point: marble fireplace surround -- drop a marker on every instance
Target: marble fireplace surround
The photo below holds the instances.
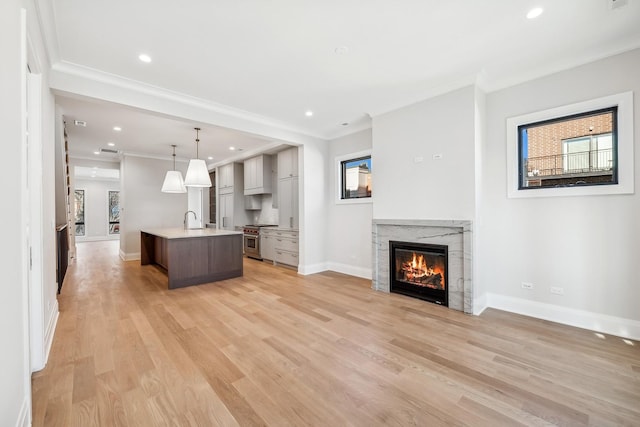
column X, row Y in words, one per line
column 456, row 234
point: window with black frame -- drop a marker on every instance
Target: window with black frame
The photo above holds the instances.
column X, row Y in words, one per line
column 114, row 212
column 576, row 150
column 355, row 178
column 79, row 212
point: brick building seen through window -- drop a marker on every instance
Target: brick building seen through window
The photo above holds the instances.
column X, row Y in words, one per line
column 575, row 150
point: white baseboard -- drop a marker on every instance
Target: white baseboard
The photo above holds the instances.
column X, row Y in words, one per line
column 312, row 269
column 130, row 256
column 351, row 270
column 97, row 238
column 613, row 325
column 24, row 417
column 479, row 304
column 51, row 330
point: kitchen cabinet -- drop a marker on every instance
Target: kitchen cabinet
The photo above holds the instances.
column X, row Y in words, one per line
column 267, row 244
column 226, row 177
column 226, row 211
column 288, row 203
column 192, row 257
column 257, row 175
column 231, row 208
column 288, row 163
column 286, row 247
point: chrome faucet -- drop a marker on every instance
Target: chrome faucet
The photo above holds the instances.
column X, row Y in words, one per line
column 185, row 218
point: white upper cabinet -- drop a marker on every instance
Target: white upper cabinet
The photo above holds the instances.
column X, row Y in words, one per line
column 257, row 175
column 288, row 163
column 225, row 176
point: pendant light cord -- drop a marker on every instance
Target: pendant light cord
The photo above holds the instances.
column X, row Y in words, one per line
column 197, row 141
column 174, row 156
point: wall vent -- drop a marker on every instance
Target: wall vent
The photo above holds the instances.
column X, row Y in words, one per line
column 109, row 150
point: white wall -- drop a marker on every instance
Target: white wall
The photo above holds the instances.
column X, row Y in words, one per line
column 96, row 208
column 313, row 201
column 349, row 225
column 142, row 204
column 14, row 385
column 43, row 292
column 430, row 189
column 589, row 245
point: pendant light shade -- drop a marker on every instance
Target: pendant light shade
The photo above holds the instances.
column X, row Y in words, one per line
column 197, row 173
column 173, row 182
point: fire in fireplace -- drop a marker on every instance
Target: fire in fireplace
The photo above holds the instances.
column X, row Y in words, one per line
column 419, row 270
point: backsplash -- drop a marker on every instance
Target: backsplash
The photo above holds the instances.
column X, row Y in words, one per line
column 268, row 214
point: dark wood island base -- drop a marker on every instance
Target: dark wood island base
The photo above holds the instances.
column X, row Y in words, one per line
column 193, row 257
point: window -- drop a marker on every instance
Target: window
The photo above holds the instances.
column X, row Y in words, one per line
column 354, row 177
column 79, row 212
column 114, row 212
column 569, row 151
column 572, row 150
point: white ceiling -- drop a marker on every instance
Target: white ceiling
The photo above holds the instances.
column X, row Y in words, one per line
column 277, row 59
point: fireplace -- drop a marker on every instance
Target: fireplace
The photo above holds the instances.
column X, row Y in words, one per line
column 419, row 270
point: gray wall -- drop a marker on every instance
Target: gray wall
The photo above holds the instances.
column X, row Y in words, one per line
column 349, row 249
column 142, row 204
column 588, row 245
column 430, row 189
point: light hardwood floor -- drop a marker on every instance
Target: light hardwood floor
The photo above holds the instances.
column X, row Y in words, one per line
column 275, row 348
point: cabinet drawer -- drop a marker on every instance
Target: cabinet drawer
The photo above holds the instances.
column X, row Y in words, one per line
column 288, row 258
column 287, row 234
column 286, row 244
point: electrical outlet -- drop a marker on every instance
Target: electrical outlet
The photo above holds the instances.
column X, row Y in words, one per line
column 556, row 290
column 526, row 285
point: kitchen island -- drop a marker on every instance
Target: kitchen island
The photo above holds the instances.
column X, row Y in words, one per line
column 193, row 257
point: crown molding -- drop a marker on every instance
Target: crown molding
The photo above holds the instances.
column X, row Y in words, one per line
column 64, row 72
column 47, row 21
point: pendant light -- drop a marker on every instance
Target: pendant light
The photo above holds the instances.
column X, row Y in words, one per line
column 197, row 173
column 173, row 182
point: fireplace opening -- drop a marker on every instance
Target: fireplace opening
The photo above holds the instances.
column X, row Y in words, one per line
column 419, row 270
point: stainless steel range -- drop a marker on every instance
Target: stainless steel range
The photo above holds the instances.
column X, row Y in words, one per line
column 252, row 240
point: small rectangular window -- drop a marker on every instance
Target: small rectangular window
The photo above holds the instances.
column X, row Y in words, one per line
column 114, row 212
column 355, row 177
column 79, row 212
column 575, row 150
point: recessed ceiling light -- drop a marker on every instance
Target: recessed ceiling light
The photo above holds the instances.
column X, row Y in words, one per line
column 117, row 128
column 96, row 153
column 144, row 58
column 309, row 113
column 341, row 50
column 111, row 144
column 534, row 13
column 95, row 168
column 209, row 158
column 232, row 148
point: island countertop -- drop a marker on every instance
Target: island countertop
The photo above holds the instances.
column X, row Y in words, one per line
column 181, row 233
